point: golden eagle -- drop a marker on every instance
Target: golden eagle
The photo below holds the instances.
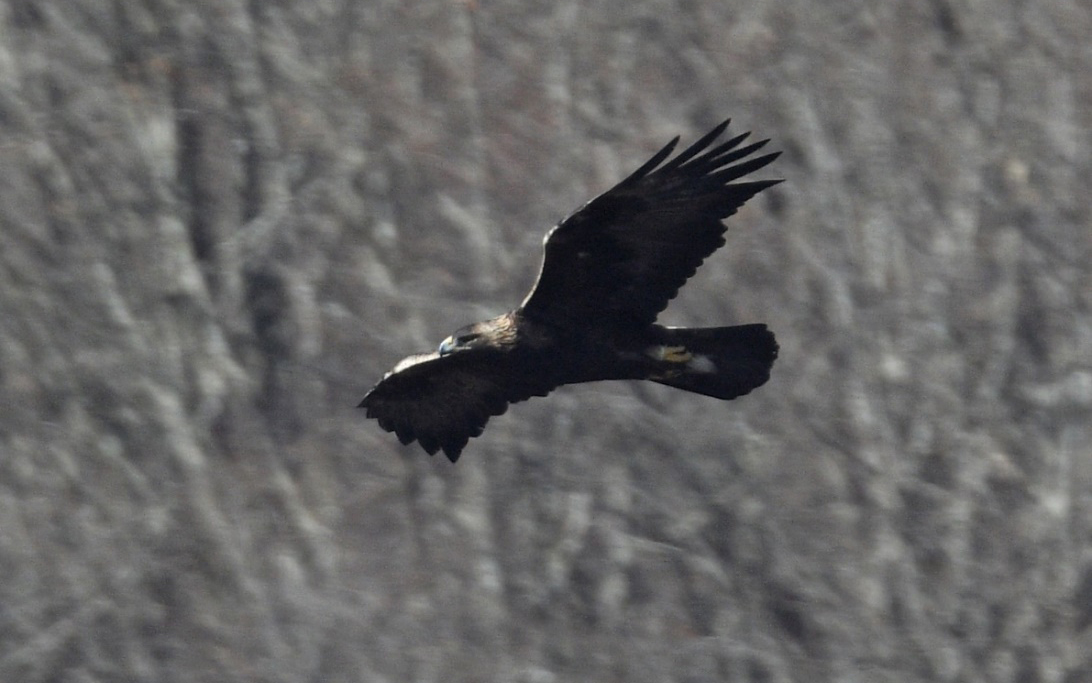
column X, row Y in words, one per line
column 608, row 270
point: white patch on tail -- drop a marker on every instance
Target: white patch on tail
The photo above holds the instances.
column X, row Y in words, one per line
column 656, row 352
column 701, row 363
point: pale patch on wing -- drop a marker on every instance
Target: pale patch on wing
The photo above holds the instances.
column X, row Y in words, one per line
column 549, row 234
column 410, row 361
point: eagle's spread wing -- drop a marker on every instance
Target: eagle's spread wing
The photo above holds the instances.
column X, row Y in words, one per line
column 443, row 401
column 624, row 255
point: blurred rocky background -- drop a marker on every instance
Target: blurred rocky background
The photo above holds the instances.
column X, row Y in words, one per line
column 222, row 221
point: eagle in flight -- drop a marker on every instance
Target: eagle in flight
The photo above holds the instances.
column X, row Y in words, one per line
column 608, row 270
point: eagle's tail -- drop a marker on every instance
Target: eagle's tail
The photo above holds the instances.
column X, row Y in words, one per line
column 722, row 362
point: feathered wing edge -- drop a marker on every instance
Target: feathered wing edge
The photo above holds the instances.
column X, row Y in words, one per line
column 697, row 161
column 444, row 401
column 696, row 183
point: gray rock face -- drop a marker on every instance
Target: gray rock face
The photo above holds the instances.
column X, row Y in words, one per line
column 222, row 221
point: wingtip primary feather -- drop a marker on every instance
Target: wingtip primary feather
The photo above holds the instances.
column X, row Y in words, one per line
column 730, row 173
column 712, row 159
column 696, row 148
column 726, row 154
column 651, row 164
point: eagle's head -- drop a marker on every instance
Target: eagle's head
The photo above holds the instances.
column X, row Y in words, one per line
column 489, row 334
column 464, row 338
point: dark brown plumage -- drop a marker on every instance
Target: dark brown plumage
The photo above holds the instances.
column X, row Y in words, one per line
column 608, row 271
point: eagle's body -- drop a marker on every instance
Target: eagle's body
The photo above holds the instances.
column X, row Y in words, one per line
column 608, row 271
